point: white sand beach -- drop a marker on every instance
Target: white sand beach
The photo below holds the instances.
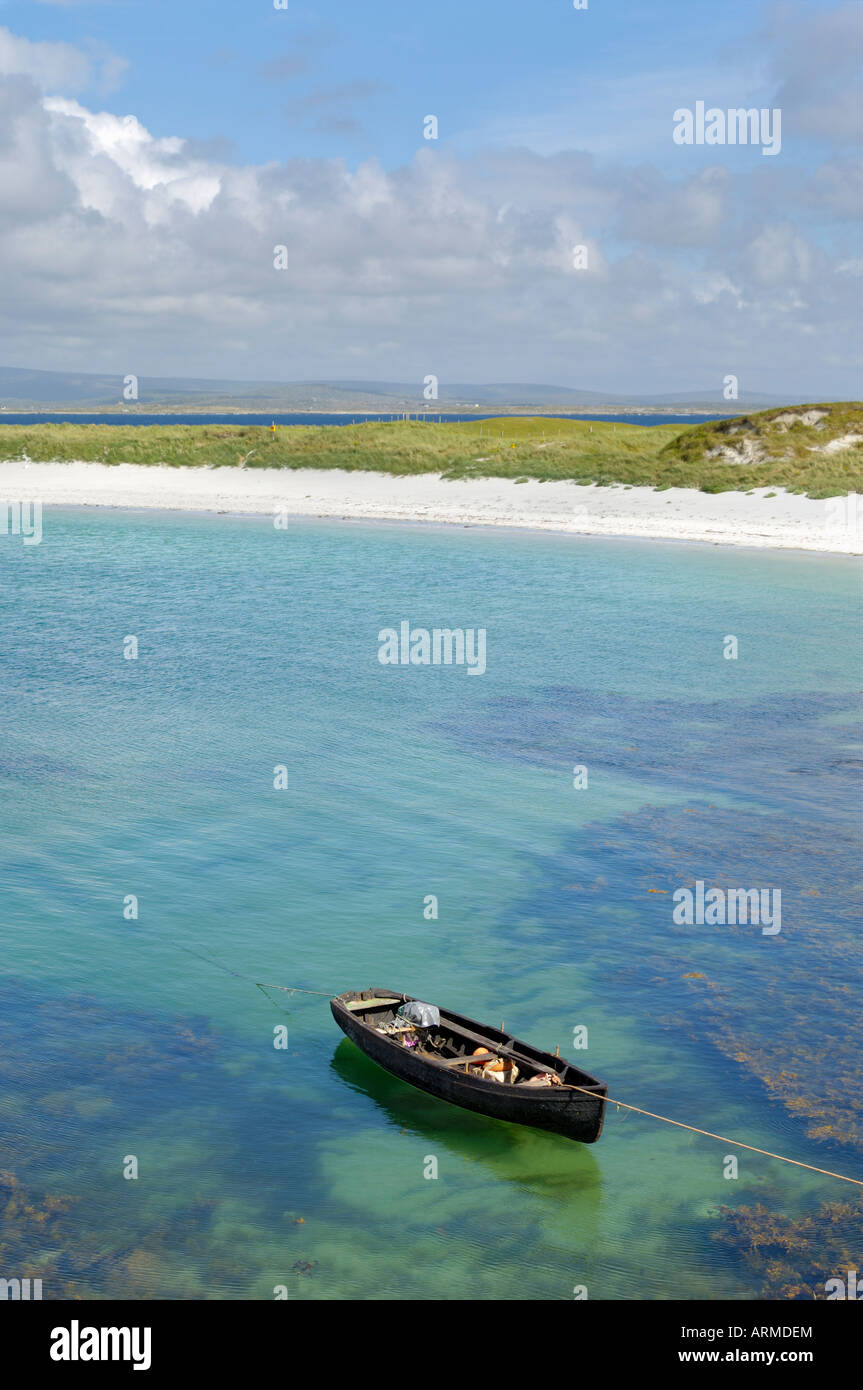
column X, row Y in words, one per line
column 763, row 518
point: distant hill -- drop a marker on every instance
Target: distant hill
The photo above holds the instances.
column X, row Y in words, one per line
column 29, row 389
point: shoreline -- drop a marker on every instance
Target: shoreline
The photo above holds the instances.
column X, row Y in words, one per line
column 412, row 412
column 782, row 521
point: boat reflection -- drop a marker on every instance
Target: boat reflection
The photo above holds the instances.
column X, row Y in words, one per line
column 543, row 1164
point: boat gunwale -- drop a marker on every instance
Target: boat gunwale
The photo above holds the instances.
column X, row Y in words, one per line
column 595, row 1090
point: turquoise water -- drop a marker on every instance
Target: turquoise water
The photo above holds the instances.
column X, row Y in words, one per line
column 304, row 1167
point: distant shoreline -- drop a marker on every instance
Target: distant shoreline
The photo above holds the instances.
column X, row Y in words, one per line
column 598, row 412
column 769, row 519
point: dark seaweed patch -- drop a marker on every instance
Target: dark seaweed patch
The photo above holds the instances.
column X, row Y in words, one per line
column 795, row 1258
column 777, row 749
column 83, row 1084
column 783, row 1009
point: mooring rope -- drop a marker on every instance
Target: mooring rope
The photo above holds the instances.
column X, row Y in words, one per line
column 211, row 960
column 293, row 989
column 238, row 975
column 609, row 1100
column 723, row 1139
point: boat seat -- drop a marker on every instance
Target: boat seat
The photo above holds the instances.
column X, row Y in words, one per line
column 478, row 1059
column 360, row 1005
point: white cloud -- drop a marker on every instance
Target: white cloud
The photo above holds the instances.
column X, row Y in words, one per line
column 93, row 148
column 126, row 252
column 58, row 66
column 50, row 65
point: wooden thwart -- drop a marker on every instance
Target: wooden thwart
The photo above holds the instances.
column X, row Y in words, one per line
column 479, row 1059
column 357, row 1004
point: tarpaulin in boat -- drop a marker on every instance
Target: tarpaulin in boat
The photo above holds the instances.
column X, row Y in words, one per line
column 422, row 1015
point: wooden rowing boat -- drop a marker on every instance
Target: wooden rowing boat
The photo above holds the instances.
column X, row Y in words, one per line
column 469, row 1064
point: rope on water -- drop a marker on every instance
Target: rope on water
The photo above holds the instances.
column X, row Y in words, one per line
column 211, row 960
column 286, row 989
column 723, row 1139
column 293, row 989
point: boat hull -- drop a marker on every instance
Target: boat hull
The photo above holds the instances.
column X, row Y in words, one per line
column 557, row 1109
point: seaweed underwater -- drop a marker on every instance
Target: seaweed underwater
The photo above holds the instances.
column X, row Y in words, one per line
column 783, row 1010
column 692, row 746
column 795, row 1257
column 82, row 1085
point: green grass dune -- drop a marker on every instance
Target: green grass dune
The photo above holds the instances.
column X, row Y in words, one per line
column 817, row 449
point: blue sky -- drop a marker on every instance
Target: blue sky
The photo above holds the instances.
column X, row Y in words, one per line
column 168, row 148
column 504, row 71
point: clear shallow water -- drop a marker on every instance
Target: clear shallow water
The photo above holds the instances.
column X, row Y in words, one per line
column 305, row 1167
